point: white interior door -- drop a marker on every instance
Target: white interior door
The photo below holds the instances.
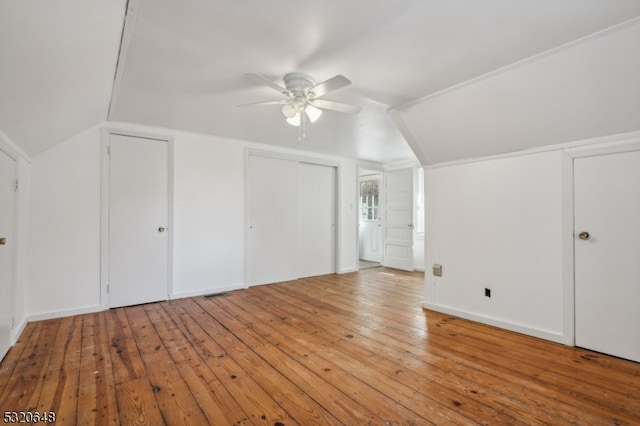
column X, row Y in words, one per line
column 370, row 226
column 398, row 219
column 138, row 218
column 7, row 249
column 272, row 239
column 316, row 207
column 607, row 260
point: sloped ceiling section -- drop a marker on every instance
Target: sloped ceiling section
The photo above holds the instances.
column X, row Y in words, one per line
column 186, row 61
column 587, row 89
column 183, row 66
column 57, row 64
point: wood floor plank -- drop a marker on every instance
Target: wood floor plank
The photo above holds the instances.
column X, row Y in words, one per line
column 348, row 349
column 27, row 378
column 257, row 404
column 59, row 392
column 22, row 348
column 437, row 385
column 517, row 374
column 292, row 384
column 212, row 397
column 137, row 403
column 297, row 404
column 539, row 394
column 96, row 392
column 173, row 396
column 343, row 374
column 125, row 357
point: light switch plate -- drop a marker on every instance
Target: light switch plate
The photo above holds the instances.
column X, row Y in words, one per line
column 437, row 270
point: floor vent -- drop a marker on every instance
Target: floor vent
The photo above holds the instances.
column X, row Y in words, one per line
column 209, row 296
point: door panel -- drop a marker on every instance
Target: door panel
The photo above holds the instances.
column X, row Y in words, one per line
column 607, row 264
column 272, row 220
column 138, row 217
column 370, row 241
column 317, row 219
column 7, row 250
column 398, row 219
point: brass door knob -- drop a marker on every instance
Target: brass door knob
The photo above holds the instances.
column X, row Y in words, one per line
column 3, row 241
column 583, row 235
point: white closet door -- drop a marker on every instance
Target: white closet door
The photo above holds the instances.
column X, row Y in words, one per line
column 272, row 253
column 398, row 219
column 607, row 260
column 138, row 217
column 7, row 249
column 317, row 219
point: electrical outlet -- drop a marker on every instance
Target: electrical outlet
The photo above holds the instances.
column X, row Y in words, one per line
column 487, row 292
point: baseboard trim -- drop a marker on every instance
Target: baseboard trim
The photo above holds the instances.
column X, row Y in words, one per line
column 17, row 331
column 518, row 328
column 66, row 313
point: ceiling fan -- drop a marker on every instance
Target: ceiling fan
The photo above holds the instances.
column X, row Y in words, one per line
column 304, row 97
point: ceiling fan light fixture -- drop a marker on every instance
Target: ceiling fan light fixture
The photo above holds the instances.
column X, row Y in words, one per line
column 289, row 110
column 295, row 120
column 304, row 105
column 313, row 113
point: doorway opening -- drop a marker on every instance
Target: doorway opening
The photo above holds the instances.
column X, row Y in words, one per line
column 370, row 243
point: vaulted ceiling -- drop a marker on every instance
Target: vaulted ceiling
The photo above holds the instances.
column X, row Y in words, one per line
column 67, row 66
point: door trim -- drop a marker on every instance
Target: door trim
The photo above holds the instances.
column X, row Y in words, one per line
column 104, row 207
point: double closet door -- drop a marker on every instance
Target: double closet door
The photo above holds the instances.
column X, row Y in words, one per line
column 291, row 219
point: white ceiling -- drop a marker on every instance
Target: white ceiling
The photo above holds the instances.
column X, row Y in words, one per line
column 183, row 63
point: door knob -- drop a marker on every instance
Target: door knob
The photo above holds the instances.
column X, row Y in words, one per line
column 583, row 235
column 3, row 241
column 161, row 229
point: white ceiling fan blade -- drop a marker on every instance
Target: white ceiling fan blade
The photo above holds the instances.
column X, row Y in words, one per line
column 334, row 83
column 335, row 106
column 280, row 102
column 260, row 79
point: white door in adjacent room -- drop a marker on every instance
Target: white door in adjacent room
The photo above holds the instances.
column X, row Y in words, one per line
column 317, row 218
column 7, row 249
column 607, row 253
column 398, row 219
column 138, row 220
column 370, row 226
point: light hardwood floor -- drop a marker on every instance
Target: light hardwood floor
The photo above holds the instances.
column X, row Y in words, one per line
column 341, row 349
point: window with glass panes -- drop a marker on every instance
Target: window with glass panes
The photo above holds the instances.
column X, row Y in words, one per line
column 369, row 197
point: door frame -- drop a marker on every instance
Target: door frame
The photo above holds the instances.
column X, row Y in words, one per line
column 602, row 146
column 300, row 159
column 104, row 207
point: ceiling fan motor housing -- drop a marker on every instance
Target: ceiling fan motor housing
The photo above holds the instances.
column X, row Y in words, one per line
column 298, row 83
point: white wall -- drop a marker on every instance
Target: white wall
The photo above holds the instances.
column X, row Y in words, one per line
column 208, row 255
column 64, row 227
column 498, row 224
